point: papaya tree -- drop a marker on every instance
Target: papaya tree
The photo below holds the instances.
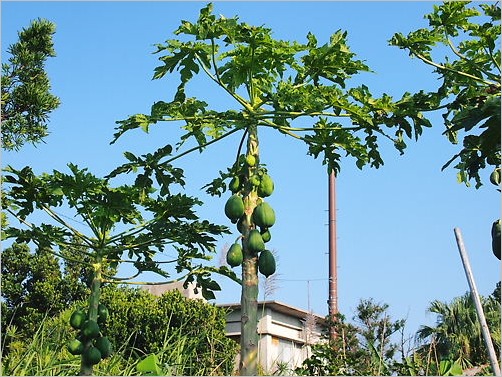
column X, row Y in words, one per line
column 469, row 75
column 469, row 92
column 298, row 89
column 108, row 226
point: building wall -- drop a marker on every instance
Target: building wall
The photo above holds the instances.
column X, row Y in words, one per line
column 285, row 333
column 284, row 339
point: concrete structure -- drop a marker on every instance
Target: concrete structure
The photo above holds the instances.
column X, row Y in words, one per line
column 286, row 334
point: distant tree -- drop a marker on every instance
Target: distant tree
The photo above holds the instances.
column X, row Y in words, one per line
column 26, row 98
column 376, row 328
column 36, row 285
column 469, row 75
column 360, row 348
column 457, row 334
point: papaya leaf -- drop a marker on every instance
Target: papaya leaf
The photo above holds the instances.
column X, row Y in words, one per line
column 469, row 90
column 151, row 224
column 149, row 366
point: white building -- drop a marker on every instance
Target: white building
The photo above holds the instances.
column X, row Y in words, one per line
column 285, row 333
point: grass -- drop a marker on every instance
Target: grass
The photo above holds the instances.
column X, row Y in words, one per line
column 46, row 355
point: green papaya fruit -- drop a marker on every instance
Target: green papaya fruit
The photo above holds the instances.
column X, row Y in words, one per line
column 77, row 319
column 264, row 215
column 91, row 356
column 104, row 346
column 234, row 207
column 255, row 180
column 251, row 160
column 102, row 313
column 495, row 177
column 90, row 329
column 235, row 184
column 266, row 263
column 265, row 235
column 234, row 255
column 496, row 234
column 75, row 347
column 255, row 242
column 266, row 186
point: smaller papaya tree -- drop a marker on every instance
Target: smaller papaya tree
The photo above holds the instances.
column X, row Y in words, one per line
column 110, row 226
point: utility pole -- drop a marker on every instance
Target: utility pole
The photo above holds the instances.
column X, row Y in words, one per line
column 333, row 276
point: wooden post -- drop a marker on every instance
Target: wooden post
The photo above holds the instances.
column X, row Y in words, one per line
column 479, row 308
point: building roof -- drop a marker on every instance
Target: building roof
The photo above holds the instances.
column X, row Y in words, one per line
column 278, row 307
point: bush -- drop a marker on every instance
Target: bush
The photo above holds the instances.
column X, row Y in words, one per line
column 142, row 324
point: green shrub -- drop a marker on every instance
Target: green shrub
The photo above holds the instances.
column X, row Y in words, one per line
column 144, row 323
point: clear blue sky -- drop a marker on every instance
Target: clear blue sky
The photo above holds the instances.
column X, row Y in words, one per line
column 395, row 224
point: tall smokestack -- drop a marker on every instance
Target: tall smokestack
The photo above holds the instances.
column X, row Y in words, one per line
column 333, row 289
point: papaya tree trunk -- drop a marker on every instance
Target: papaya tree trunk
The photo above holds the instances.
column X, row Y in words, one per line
column 85, row 368
column 248, row 365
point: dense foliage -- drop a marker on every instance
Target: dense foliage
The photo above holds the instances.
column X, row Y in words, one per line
column 457, row 334
column 38, row 288
column 140, row 326
column 140, row 322
column 34, row 287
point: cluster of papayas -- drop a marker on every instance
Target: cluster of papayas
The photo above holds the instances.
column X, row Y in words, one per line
column 90, row 342
column 262, row 218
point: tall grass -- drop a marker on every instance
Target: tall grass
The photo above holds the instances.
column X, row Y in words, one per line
column 46, row 354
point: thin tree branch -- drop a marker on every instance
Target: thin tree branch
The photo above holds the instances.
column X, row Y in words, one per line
column 218, row 81
column 463, row 57
column 56, row 217
column 241, row 143
column 442, row 67
column 117, row 279
column 135, row 261
column 297, row 114
column 204, row 145
column 148, row 283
